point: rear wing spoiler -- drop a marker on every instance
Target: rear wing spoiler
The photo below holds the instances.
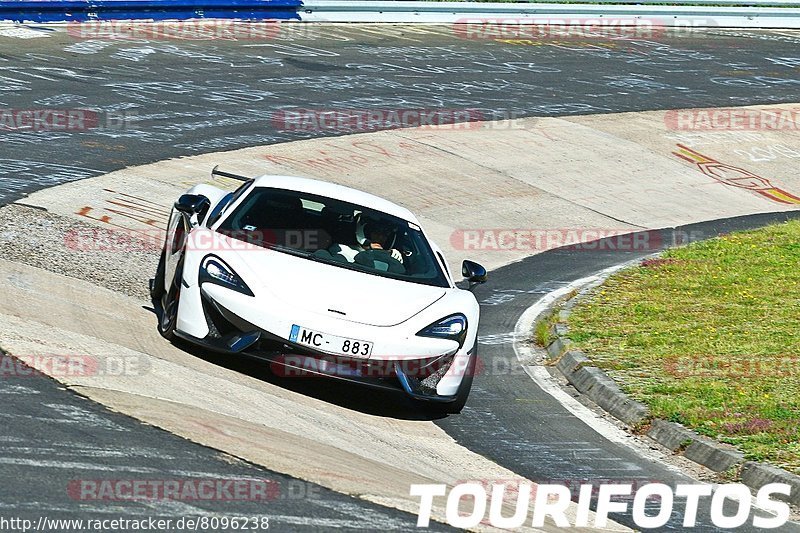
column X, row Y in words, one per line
column 216, row 172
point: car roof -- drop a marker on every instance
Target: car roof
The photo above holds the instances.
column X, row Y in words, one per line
column 338, row 192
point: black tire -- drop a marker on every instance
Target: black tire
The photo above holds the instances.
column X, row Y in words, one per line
column 157, row 283
column 456, row 406
column 168, row 318
column 464, row 389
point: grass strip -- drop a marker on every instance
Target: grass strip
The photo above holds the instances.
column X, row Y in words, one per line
column 709, row 336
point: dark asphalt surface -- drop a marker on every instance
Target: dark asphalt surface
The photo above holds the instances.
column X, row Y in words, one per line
column 178, row 97
column 58, row 447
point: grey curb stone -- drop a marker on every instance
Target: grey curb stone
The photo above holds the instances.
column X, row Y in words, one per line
column 557, row 347
column 570, row 362
column 600, row 388
column 588, row 378
column 718, row 457
column 714, row 455
column 756, row 475
column 595, row 384
column 670, row 434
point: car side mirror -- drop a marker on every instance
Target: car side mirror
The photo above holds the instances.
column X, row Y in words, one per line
column 474, row 272
column 192, row 204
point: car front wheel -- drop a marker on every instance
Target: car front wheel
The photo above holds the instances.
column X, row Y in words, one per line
column 169, row 307
column 454, row 407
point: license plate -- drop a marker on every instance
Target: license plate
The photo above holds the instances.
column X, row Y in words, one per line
column 330, row 343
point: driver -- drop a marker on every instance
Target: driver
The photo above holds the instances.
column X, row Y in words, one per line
column 371, row 234
column 378, row 234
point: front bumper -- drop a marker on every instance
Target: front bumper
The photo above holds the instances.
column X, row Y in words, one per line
column 231, row 334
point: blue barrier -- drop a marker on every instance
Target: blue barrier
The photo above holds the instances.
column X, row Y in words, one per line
column 83, row 10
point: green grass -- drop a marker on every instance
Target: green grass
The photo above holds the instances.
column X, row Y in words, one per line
column 709, row 336
column 541, row 332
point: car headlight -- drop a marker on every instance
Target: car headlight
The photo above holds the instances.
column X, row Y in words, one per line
column 214, row 270
column 453, row 327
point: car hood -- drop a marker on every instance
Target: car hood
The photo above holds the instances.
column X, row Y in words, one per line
column 335, row 291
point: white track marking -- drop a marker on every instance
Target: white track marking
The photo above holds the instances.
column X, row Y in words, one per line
column 523, row 330
column 75, row 465
column 22, row 33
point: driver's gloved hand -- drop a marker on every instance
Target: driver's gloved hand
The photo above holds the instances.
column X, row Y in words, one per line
column 396, row 254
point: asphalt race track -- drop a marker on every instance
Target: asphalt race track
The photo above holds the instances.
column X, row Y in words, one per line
column 184, row 97
column 170, row 98
column 54, row 439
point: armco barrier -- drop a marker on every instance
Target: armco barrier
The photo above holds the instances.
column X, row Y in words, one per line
column 670, row 13
column 82, row 10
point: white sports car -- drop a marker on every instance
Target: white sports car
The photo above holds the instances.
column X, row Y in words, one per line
column 319, row 279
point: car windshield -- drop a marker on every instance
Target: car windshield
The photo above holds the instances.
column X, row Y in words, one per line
column 335, row 232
